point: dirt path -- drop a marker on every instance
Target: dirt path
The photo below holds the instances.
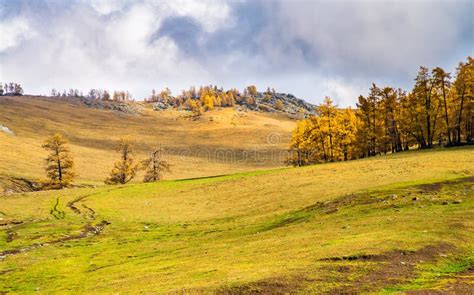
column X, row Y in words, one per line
column 91, row 228
column 87, row 231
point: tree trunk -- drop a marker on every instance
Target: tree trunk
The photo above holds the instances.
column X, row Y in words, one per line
column 60, row 170
column 448, row 130
column 460, row 116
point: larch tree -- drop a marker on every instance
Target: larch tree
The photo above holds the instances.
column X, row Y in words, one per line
column 463, row 96
column 125, row 169
column 194, row 106
column 301, row 144
column 442, row 83
column 346, row 133
column 423, row 94
column 59, row 162
column 390, row 105
column 364, row 126
column 155, row 166
column 327, row 112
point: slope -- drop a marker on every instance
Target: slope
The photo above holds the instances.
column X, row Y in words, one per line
column 222, row 141
column 386, row 224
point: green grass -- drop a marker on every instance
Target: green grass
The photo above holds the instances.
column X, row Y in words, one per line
column 265, row 230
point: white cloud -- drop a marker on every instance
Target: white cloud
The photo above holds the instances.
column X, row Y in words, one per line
column 13, row 32
column 311, row 49
column 105, row 7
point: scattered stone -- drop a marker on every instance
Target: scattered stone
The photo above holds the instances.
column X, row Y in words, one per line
column 6, row 130
column 457, row 202
column 128, row 107
column 332, row 211
column 414, row 199
column 158, row 106
column 444, row 203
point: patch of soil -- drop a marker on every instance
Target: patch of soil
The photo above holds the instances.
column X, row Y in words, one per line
column 437, row 186
column 10, row 222
column 397, row 267
column 11, row 185
column 11, row 235
column 365, row 257
column 267, row 286
column 464, row 284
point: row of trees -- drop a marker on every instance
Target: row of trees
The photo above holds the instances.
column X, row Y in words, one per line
column 11, row 89
column 94, row 94
column 438, row 111
column 327, row 136
column 207, row 97
column 126, row 168
column 60, row 163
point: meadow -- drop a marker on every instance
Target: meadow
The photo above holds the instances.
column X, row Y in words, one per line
column 388, row 224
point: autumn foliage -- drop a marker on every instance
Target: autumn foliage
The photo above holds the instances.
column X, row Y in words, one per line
column 438, row 111
column 125, row 168
column 59, row 162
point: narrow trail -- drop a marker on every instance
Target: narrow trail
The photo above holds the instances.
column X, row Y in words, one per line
column 91, row 228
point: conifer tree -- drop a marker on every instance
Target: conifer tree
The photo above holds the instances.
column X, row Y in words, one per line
column 327, row 112
column 155, row 166
column 59, row 162
column 124, row 169
column 442, row 83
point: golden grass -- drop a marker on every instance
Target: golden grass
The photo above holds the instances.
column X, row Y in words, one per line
column 192, row 145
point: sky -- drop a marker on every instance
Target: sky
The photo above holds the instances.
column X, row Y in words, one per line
column 311, row 49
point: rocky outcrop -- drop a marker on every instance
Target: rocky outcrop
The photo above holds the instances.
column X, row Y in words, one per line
column 287, row 103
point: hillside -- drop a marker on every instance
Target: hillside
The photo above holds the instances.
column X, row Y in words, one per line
column 219, row 142
column 380, row 225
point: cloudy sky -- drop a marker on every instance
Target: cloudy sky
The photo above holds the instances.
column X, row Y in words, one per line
column 309, row 48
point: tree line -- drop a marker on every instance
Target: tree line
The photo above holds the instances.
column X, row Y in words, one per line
column 11, row 88
column 439, row 110
column 208, row 97
column 59, row 164
column 94, row 94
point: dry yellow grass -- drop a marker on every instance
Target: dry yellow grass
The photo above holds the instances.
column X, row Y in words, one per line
column 222, row 141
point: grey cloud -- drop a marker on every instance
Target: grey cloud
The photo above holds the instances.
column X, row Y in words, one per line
column 308, row 48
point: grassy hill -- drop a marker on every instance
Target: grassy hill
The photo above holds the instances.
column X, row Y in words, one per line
column 220, row 142
column 381, row 225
